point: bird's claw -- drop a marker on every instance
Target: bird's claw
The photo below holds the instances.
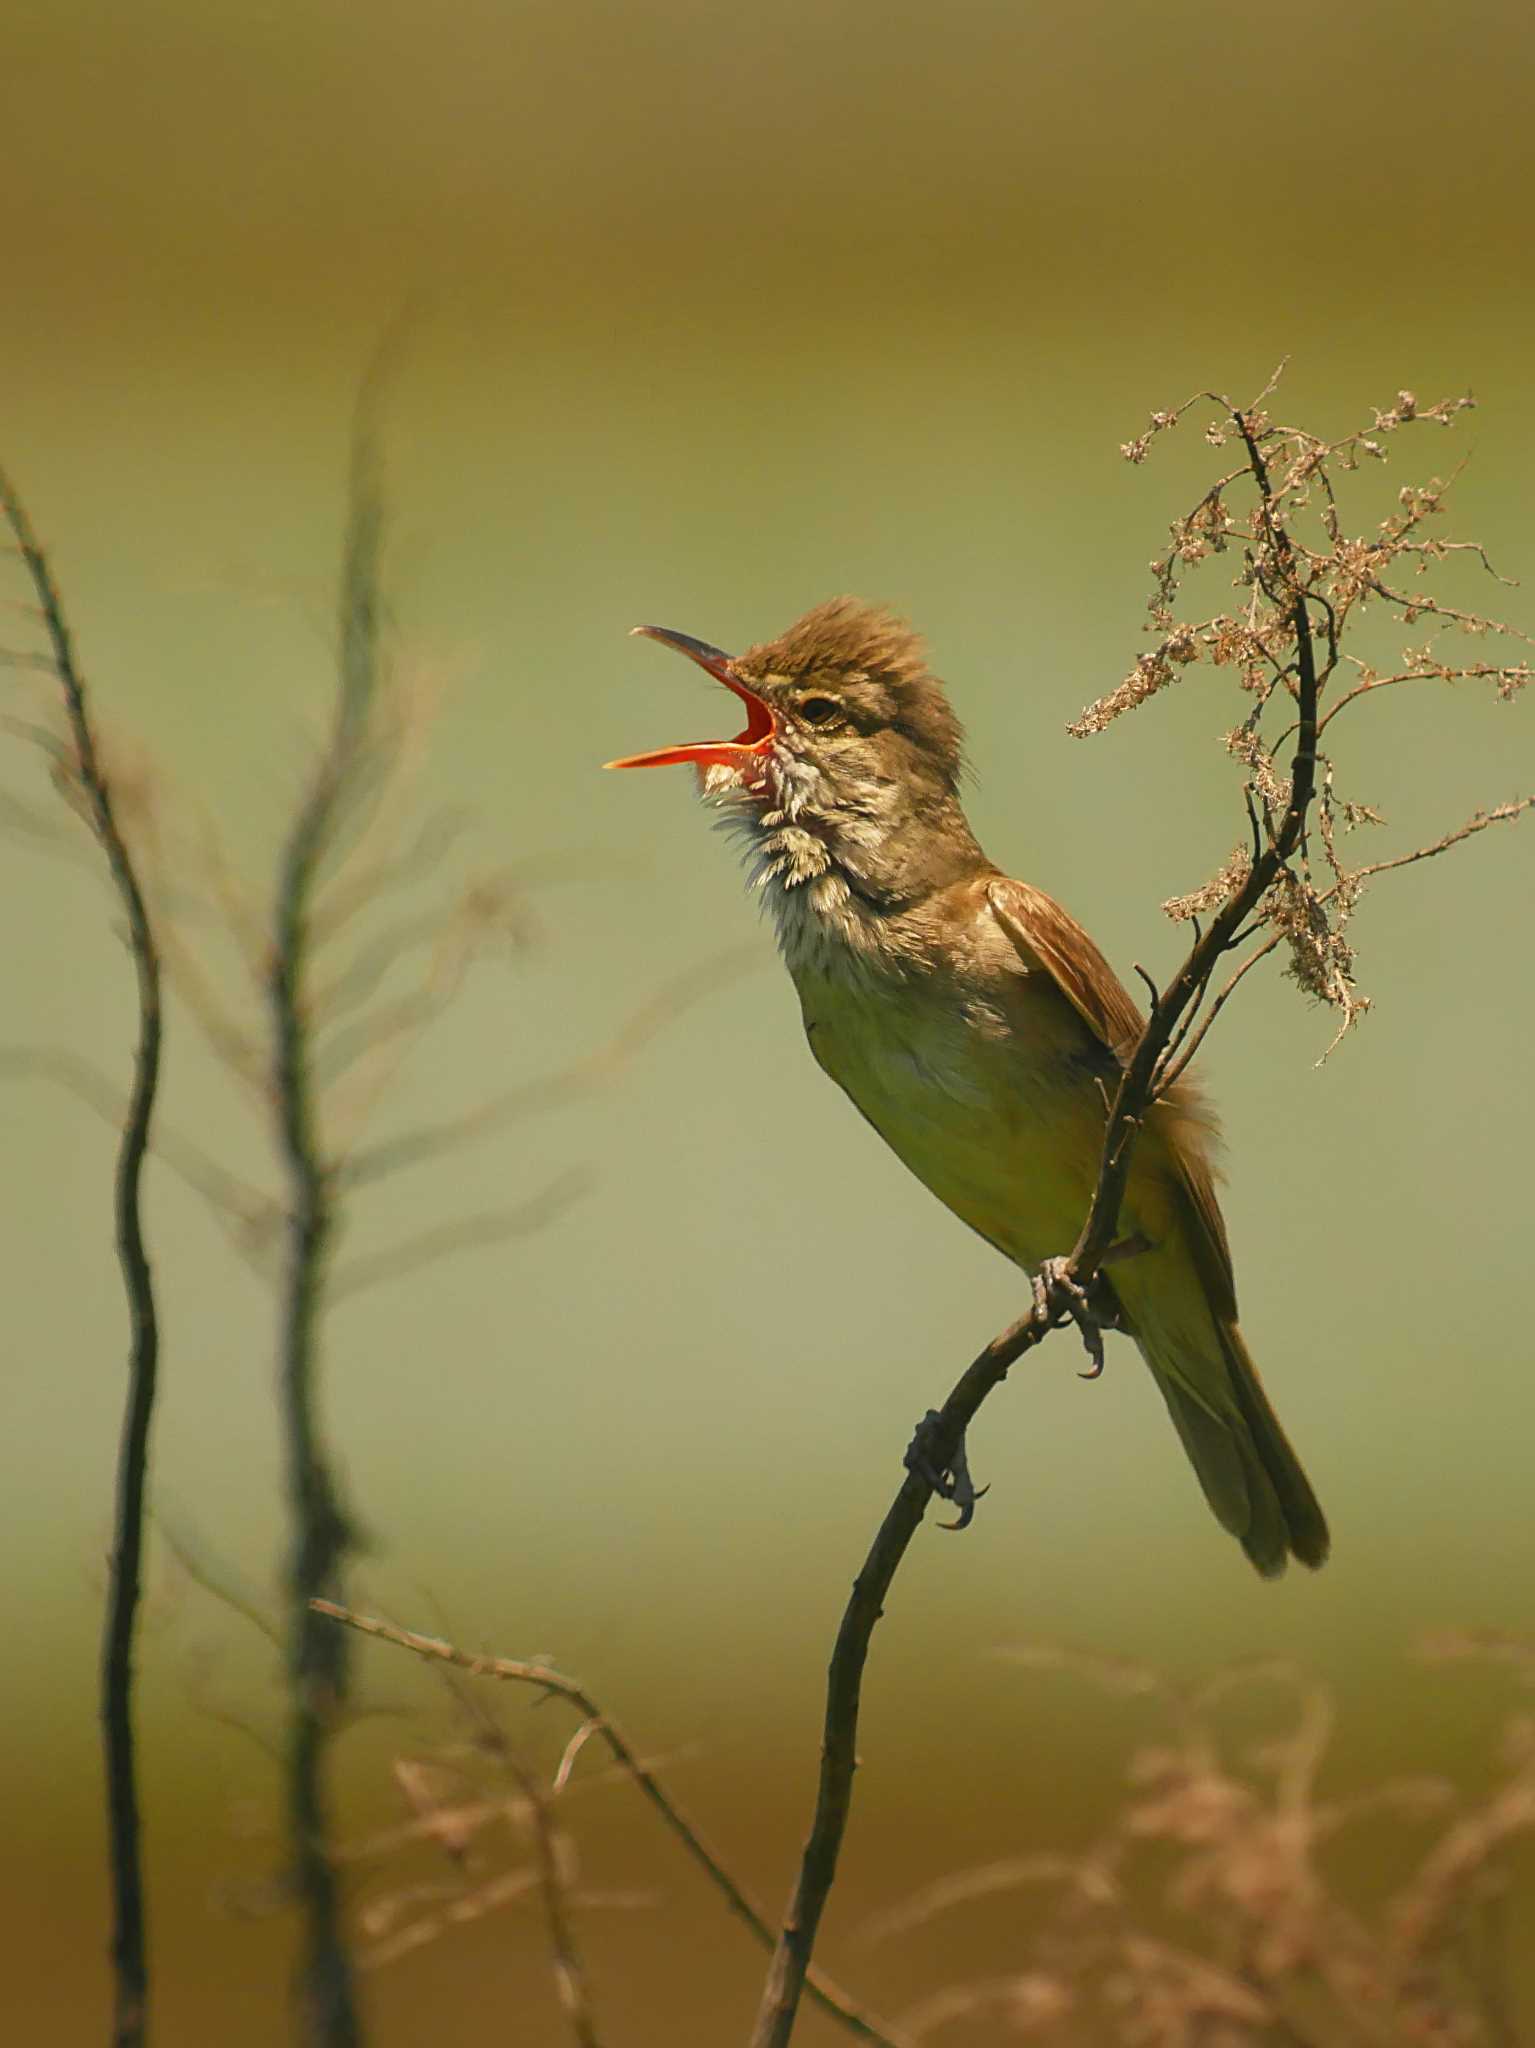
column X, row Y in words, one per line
column 1055, row 1274
column 951, row 1482
column 1058, row 1299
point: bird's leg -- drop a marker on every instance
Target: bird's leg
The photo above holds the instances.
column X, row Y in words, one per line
column 1079, row 1307
column 1093, row 1310
column 949, row 1482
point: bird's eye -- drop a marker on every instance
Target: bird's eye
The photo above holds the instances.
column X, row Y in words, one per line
column 820, row 710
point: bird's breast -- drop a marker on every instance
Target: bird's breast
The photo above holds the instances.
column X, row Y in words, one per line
column 988, row 1101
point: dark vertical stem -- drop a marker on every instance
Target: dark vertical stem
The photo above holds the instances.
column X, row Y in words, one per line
column 321, row 1538
column 322, row 1535
column 124, row 1828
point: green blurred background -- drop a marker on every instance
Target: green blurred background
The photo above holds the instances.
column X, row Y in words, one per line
column 711, row 314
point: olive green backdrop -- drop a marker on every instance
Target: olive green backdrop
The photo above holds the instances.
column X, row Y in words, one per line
column 710, row 314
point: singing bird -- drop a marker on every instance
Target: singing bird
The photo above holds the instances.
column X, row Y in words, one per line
column 976, row 1025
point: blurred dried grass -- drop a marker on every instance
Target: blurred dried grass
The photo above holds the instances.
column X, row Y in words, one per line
column 1216, row 1911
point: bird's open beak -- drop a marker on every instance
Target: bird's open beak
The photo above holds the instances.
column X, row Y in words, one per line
column 744, row 753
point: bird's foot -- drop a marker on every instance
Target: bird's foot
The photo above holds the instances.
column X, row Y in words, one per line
column 1079, row 1308
column 950, row 1482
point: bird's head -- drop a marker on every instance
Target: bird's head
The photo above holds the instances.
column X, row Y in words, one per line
column 849, row 741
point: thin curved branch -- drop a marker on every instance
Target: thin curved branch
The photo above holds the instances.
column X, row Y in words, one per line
column 550, row 1681
column 570, row 1979
column 1500, row 814
column 129, row 1949
column 246, row 1215
column 568, row 1084
column 1184, row 1047
column 498, row 1226
column 1430, row 607
column 19, row 658
column 1192, row 1035
column 344, row 896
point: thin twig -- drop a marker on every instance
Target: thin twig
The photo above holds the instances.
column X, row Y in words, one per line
column 247, row 1216
column 569, row 1965
column 1192, row 1035
column 1135, row 1095
column 551, row 1854
column 129, row 1958
column 192, row 1557
column 1180, row 1052
column 547, row 1680
column 14, row 657
column 582, row 1077
column 1425, row 673
column 1500, row 814
column 427, row 1246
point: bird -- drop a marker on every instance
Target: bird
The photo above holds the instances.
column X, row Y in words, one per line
column 976, row 1026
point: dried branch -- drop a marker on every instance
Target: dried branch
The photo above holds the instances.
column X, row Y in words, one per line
column 236, row 1049
column 91, row 790
column 370, row 883
column 1509, row 676
column 596, row 1723
column 551, row 1853
column 358, row 982
column 1191, row 1035
column 1500, row 814
column 460, row 1909
column 191, row 1554
column 493, row 1227
column 247, row 1215
column 593, row 1070
column 27, row 822
column 20, row 658
column 1212, row 1893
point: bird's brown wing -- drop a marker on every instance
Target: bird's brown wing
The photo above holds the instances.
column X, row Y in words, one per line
column 1045, row 936
column 1250, row 1475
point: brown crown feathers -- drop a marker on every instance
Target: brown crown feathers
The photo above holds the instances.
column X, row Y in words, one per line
column 875, row 663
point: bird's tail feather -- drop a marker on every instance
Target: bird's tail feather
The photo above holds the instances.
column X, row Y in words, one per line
column 1250, row 1475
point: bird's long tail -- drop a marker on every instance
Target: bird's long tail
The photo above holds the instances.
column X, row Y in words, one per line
column 1250, row 1475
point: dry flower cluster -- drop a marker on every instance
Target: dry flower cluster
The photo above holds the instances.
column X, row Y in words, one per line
column 1290, row 542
